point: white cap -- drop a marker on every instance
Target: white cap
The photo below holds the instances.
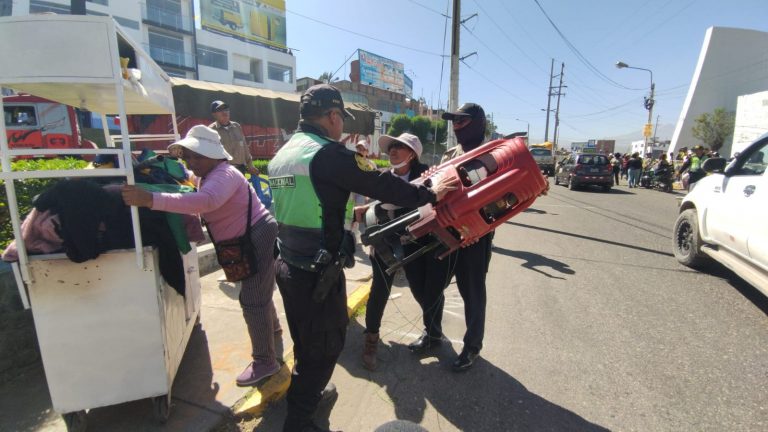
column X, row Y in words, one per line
column 203, row 141
column 409, row 140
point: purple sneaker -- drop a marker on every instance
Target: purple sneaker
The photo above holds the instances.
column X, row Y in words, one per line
column 255, row 372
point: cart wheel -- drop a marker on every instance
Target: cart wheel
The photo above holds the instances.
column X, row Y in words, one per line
column 76, row 421
column 161, row 407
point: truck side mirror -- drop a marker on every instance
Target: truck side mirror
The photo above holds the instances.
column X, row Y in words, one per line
column 712, row 165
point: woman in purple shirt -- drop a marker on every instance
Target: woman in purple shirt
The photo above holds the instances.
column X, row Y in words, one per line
column 222, row 200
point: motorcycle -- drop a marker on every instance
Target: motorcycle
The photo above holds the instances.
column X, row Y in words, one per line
column 660, row 179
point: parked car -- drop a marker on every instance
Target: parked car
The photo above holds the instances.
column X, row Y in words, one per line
column 584, row 169
column 724, row 216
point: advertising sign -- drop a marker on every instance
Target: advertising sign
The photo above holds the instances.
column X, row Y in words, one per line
column 381, row 72
column 259, row 22
column 408, row 86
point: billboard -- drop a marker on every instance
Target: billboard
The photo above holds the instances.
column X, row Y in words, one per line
column 381, row 72
column 408, row 86
column 259, row 22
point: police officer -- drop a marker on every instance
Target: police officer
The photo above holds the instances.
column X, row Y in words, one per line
column 232, row 138
column 311, row 177
column 471, row 262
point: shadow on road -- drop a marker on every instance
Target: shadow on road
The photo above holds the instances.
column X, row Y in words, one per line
column 533, row 260
column 584, row 237
column 749, row 292
column 485, row 398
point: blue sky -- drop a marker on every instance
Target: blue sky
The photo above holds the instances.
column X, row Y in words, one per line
column 514, row 44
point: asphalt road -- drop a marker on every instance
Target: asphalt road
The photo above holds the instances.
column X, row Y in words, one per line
column 591, row 326
column 589, row 310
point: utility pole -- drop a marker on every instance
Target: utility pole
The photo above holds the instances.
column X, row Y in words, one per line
column 549, row 98
column 453, row 96
column 557, row 110
column 655, row 129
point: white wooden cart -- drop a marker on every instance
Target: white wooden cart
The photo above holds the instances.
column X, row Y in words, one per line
column 110, row 330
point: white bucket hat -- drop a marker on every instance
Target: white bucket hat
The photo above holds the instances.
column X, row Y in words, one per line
column 204, row 141
column 409, row 140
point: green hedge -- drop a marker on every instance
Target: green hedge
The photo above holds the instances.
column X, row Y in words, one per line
column 26, row 190
column 262, row 164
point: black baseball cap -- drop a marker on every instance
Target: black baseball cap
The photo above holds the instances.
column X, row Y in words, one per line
column 320, row 97
column 468, row 110
column 218, row 105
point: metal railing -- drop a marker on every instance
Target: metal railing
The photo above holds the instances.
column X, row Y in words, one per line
column 245, row 76
column 165, row 18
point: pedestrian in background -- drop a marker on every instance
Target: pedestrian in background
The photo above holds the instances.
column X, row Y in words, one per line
column 634, row 169
column 616, row 167
column 222, row 199
column 232, row 138
column 311, row 177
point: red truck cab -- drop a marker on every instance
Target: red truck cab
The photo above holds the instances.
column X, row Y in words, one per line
column 37, row 123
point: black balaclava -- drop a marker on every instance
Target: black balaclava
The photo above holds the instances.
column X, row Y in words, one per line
column 473, row 134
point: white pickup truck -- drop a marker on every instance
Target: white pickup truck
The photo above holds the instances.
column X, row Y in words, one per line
column 725, row 217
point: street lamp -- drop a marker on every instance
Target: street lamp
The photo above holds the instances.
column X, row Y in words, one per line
column 649, row 101
column 527, row 129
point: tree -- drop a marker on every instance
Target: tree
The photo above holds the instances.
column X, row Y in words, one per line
column 325, row 77
column 420, row 126
column 713, row 128
column 490, row 128
column 399, row 124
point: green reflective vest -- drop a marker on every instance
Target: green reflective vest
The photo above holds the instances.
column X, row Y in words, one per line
column 297, row 206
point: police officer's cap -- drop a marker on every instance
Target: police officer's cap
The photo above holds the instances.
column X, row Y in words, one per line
column 320, row 98
column 218, row 105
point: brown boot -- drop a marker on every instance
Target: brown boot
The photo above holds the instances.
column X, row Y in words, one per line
column 369, row 351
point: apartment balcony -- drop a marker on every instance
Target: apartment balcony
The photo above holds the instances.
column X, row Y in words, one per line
column 248, row 77
column 167, row 57
column 167, row 19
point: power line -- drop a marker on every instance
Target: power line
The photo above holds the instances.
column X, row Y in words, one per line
column 490, row 17
column 430, row 9
column 497, row 85
column 499, row 57
column 581, row 56
column 363, row 35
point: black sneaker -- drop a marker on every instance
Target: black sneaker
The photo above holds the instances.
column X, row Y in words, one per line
column 465, row 361
column 424, row 342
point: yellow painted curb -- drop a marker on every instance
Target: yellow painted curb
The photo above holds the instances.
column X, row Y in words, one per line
column 257, row 400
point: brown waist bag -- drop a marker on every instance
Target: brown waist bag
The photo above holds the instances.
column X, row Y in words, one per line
column 236, row 256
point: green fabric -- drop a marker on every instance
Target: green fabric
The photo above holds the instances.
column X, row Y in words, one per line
column 175, row 222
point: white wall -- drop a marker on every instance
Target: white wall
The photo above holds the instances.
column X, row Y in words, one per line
column 751, row 120
column 732, row 62
column 234, row 48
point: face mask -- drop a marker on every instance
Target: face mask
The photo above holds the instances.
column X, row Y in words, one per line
column 402, row 164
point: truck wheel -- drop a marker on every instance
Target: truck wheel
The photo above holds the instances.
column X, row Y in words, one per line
column 557, row 180
column 687, row 240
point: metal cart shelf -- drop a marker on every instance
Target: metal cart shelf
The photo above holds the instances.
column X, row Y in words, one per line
column 110, row 330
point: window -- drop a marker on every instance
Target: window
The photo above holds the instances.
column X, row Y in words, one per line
column 278, row 72
column 20, row 116
column 168, row 49
column 101, row 2
column 36, row 6
column 6, row 7
column 246, row 68
column 212, row 57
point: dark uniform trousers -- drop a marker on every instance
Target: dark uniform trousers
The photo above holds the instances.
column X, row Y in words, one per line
column 471, row 268
column 318, row 331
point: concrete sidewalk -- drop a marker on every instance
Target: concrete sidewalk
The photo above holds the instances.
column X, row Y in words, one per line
column 204, row 389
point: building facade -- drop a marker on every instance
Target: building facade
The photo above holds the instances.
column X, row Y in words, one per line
column 201, row 49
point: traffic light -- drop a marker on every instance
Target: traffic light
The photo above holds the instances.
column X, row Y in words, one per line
column 647, row 130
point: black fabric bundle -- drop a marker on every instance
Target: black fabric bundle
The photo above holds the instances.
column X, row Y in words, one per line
column 94, row 220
